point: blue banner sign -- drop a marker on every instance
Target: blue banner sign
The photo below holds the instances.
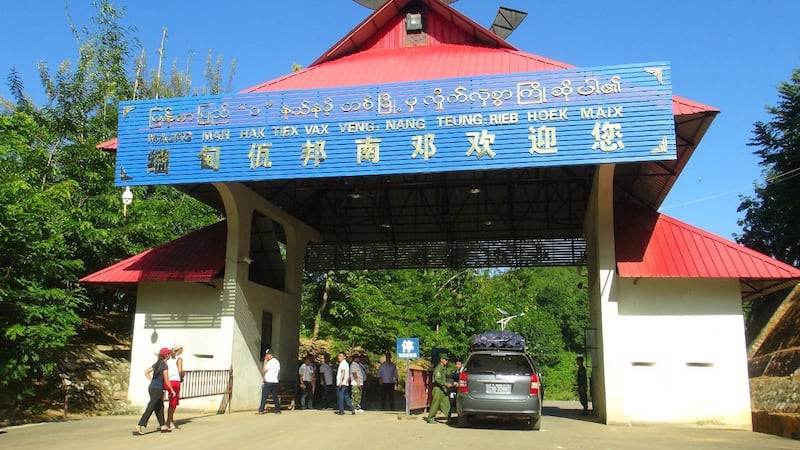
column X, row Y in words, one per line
column 407, row 348
column 611, row 114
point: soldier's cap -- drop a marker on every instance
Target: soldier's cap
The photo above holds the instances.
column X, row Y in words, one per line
column 444, row 356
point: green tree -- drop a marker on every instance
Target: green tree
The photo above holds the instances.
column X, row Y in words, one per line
column 771, row 224
column 61, row 215
column 447, row 308
column 39, row 298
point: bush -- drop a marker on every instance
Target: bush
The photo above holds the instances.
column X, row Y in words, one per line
column 560, row 380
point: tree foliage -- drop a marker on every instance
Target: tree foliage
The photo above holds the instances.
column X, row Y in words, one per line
column 38, row 294
column 61, row 215
column 446, row 309
column 771, row 224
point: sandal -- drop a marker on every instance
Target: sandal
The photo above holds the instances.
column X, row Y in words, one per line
column 165, row 430
column 137, row 432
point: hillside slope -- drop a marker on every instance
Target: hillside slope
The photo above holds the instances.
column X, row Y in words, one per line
column 774, row 367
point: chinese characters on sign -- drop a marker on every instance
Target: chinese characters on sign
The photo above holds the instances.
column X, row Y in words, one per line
column 576, row 116
column 407, row 348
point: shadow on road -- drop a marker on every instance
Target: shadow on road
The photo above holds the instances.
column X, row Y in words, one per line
column 569, row 413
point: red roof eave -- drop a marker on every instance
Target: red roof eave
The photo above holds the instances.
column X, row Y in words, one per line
column 198, row 257
column 109, row 145
column 685, row 107
column 674, row 249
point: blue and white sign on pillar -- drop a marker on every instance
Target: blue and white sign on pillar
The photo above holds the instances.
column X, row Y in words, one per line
column 407, row 348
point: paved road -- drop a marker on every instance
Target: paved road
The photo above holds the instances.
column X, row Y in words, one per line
column 562, row 428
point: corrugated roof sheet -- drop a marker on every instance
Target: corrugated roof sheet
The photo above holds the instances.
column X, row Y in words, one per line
column 411, row 64
column 382, row 28
column 374, row 52
column 109, row 145
column 658, row 246
column 196, row 257
column 684, row 107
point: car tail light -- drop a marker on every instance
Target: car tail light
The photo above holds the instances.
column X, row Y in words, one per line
column 534, row 384
column 462, row 382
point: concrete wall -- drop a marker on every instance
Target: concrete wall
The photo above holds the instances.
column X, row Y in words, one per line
column 247, row 340
column 202, row 318
column 684, row 354
column 220, row 326
column 667, row 350
column 251, row 299
column 191, row 314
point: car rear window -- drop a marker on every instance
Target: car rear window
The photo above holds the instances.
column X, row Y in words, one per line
column 499, row 364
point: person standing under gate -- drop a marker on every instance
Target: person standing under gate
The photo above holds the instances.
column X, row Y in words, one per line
column 308, row 382
column 327, row 380
column 343, row 385
column 358, row 376
column 271, row 370
column 387, row 377
column 581, row 381
column 453, row 392
column 439, row 400
column 175, row 369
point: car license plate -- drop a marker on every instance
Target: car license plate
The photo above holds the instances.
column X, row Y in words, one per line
column 497, row 388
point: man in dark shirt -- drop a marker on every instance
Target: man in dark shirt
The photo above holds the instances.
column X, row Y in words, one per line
column 582, row 385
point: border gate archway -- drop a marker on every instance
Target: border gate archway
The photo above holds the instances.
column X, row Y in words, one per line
column 448, row 147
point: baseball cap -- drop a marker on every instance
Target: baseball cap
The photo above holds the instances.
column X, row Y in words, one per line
column 164, row 351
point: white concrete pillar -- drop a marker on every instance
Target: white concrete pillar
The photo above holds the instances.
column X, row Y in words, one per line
column 607, row 394
column 251, row 299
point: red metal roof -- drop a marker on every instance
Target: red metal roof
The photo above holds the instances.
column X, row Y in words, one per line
column 411, row 64
column 109, row 145
column 196, row 257
column 375, row 52
column 658, row 246
column 384, row 28
column 684, row 107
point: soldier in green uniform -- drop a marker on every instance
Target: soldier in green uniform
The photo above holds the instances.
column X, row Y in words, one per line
column 440, row 401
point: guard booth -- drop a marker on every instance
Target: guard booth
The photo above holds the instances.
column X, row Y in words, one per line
column 422, row 139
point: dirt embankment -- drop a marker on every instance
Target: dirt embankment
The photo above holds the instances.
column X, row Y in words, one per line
column 774, row 366
column 92, row 379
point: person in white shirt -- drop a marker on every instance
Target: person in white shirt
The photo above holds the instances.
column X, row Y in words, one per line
column 175, row 370
column 326, row 377
column 358, row 375
column 387, row 377
column 343, row 385
column 307, row 376
column 271, row 370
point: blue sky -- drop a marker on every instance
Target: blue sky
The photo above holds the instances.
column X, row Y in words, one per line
column 729, row 54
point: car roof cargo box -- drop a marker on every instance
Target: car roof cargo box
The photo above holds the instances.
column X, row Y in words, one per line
column 498, row 340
